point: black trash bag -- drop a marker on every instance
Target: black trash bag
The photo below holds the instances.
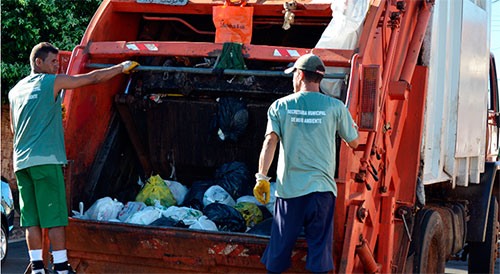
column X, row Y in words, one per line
column 235, row 178
column 232, row 118
column 194, row 196
column 265, row 212
column 225, row 217
column 262, row 228
column 169, row 222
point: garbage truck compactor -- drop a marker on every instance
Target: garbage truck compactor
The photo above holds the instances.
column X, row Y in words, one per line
column 416, row 75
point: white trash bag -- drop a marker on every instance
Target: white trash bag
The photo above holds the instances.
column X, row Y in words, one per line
column 216, row 194
column 104, row 209
column 248, row 199
column 79, row 214
column 178, row 190
column 129, row 209
column 185, row 214
column 342, row 32
column 145, row 216
column 203, row 223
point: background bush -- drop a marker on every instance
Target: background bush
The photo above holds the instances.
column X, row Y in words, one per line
column 25, row 23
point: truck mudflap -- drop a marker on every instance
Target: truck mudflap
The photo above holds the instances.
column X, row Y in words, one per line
column 105, row 247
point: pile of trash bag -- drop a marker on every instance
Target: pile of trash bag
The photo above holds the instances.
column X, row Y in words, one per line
column 224, row 203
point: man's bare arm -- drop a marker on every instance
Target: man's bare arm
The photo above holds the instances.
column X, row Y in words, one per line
column 64, row 81
column 267, row 152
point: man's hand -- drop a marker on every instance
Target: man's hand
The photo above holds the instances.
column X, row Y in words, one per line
column 128, row 66
column 262, row 186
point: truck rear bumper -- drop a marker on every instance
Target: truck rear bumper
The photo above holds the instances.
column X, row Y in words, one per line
column 103, row 247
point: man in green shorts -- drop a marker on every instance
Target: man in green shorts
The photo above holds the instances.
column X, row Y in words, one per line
column 39, row 151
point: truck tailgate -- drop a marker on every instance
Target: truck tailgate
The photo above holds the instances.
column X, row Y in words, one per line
column 102, row 247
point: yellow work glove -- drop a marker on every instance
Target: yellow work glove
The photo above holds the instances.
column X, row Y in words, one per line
column 262, row 188
column 128, row 66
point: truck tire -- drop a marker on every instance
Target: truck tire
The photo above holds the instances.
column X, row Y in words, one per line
column 428, row 239
column 4, row 245
column 482, row 255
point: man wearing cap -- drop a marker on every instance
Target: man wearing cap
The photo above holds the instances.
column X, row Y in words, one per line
column 306, row 123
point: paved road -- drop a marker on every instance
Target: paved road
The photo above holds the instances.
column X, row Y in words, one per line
column 17, row 260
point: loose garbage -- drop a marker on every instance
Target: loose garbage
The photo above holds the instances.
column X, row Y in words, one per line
column 206, row 205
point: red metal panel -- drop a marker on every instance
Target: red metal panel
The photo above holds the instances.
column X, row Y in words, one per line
column 123, row 49
column 100, row 247
column 267, row 8
column 353, row 230
column 370, row 27
column 416, row 42
column 109, row 25
column 63, row 59
column 386, row 239
column 390, row 140
column 408, row 157
column 88, row 109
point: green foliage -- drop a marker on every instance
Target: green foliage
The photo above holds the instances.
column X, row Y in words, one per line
column 26, row 23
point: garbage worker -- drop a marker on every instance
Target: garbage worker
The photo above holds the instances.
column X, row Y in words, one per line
column 39, row 151
column 305, row 124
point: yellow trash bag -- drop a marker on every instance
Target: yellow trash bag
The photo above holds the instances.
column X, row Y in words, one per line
column 250, row 212
column 156, row 189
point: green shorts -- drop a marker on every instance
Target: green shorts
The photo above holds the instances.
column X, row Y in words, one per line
column 42, row 196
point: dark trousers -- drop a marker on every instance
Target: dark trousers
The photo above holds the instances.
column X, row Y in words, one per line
column 314, row 212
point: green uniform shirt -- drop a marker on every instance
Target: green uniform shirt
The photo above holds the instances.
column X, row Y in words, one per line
column 306, row 123
column 37, row 121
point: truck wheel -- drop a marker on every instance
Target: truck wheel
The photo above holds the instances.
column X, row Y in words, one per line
column 428, row 238
column 4, row 246
column 482, row 255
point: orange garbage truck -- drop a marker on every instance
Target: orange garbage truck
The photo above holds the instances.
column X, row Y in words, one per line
column 416, row 76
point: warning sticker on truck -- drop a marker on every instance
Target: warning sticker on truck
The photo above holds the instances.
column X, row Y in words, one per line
column 142, row 46
column 289, row 52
